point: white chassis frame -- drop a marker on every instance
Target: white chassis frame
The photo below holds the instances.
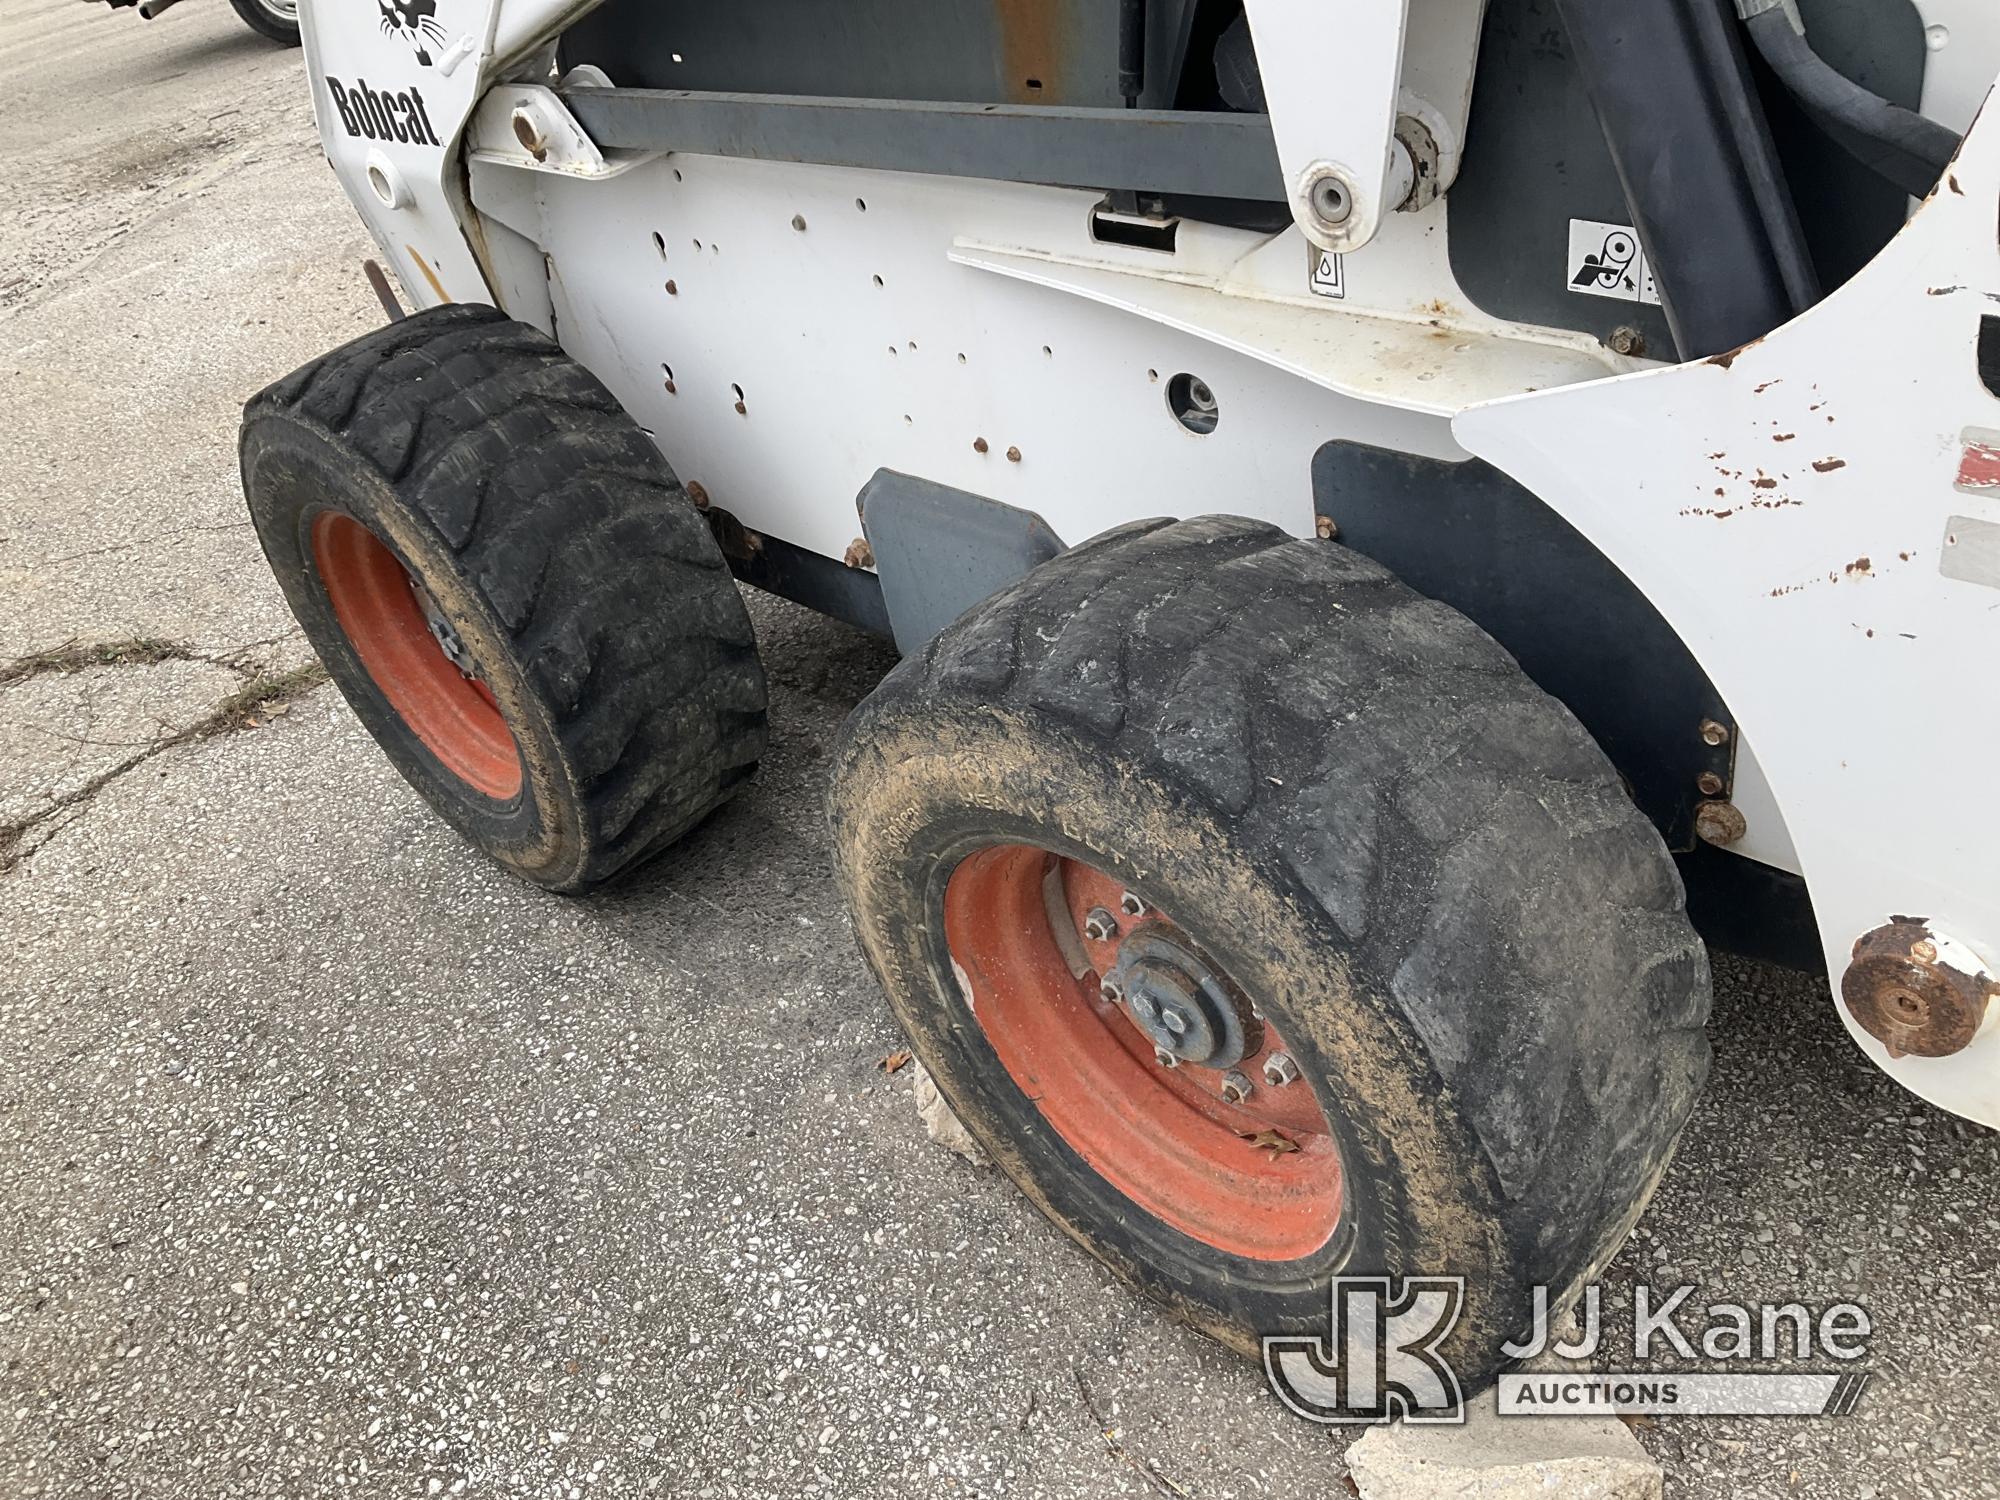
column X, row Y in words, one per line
column 912, row 315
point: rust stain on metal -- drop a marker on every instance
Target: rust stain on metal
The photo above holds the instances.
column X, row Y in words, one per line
column 1013, row 455
column 1729, row 357
column 1035, row 37
column 1951, row 181
column 979, row 445
column 859, row 554
column 1860, row 565
column 1941, row 291
column 1906, row 999
column 1758, row 391
column 1828, row 465
column 1763, row 481
column 1783, row 437
column 698, row 494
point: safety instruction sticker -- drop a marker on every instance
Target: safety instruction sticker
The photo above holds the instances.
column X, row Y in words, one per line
column 1329, row 272
column 1605, row 261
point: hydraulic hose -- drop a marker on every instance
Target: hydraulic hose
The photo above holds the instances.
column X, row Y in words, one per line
column 1898, row 144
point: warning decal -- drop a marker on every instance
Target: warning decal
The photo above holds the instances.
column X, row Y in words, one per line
column 1605, row 261
column 1329, row 272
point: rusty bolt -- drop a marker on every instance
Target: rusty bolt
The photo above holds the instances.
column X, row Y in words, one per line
column 742, row 410
column 1708, row 784
column 1720, row 823
column 799, row 222
column 1627, row 341
column 1279, row 1070
column 1900, row 994
column 672, row 290
column 1111, row 989
column 1326, row 529
column 1100, row 926
column 1131, row 904
column 1235, row 1086
column 671, row 389
column 979, row 445
column 1165, row 1058
column 1713, row 733
column 859, row 554
column 698, row 494
column 1013, row 455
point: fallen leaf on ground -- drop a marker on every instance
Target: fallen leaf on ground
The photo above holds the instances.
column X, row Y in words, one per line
column 895, row 1062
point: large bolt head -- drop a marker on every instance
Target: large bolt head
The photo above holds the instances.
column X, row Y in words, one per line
column 1235, row 1086
column 1100, row 926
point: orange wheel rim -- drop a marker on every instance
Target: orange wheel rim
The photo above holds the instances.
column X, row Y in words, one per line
column 377, row 604
column 1255, row 1175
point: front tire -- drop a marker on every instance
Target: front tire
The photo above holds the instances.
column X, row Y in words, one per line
column 276, row 19
column 1348, row 820
column 504, row 579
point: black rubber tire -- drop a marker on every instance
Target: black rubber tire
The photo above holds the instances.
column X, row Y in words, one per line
column 1416, row 861
column 588, row 589
column 261, row 20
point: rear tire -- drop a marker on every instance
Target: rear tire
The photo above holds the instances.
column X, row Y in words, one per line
column 1410, row 862
column 505, row 581
column 271, row 18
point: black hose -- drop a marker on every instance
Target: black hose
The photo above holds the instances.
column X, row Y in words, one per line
column 1893, row 142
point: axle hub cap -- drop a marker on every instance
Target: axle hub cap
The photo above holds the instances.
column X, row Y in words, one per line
column 1177, row 1003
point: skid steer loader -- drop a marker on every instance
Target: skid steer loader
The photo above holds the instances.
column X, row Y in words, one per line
column 1395, row 517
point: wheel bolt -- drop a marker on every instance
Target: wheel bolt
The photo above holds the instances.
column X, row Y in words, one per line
column 1165, row 1058
column 1174, row 1021
column 1235, row 1086
column 1279, row 1070
column 1131, row 905
column 1100, row 926
column 1109, row 989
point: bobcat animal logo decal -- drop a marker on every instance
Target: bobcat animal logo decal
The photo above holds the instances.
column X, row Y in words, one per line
column 416, row 22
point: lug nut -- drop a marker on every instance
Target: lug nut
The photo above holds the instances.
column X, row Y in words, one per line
column 1165, row 1058
column 1279, row 1070
column 1109, row 989
column 1131, row 905
column 1100, row 926
column 1235, row 1086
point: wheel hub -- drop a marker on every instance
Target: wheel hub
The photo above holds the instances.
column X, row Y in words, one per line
column 1177, row 1002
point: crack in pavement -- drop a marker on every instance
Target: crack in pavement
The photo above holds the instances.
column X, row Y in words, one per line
column 134, row 651
column 265, row 693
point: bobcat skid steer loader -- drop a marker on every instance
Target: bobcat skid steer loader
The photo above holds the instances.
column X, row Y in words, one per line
column 1396, row 516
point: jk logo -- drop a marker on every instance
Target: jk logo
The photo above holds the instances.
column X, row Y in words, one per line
column 1379, row 1360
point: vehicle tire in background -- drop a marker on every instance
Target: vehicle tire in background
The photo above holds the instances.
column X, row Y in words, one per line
column 1266, row 923
column 276, row 19
column 504, row 579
